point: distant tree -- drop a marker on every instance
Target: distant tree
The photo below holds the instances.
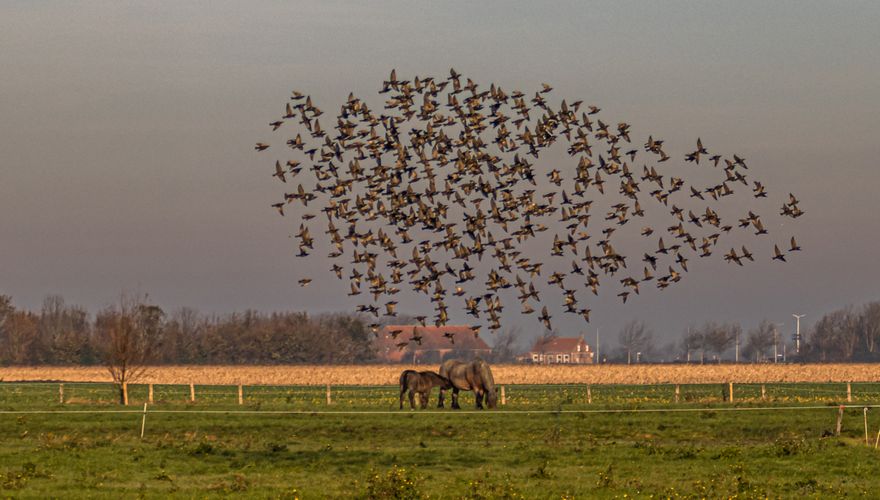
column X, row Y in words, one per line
column 353, row 339
column 760, row 339
column 869, row 327
column 719, row 338
column 6, row 312
column 835, row 336
column 64, row 331
column 634, row 337
column 542, row 338
column 181, row 336
column 693, row 340
column 129, row 337
column 18, row 333
column 504, row 345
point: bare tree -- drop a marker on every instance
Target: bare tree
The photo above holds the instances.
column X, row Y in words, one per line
column 634, row 337
column 835, row 336
column 129, row 336
column 63, row 332
column 181, row 335
column 544, row 338
column 504, row 345
column 759, row 340
column 6, row 312
column 869, row 326
column 18, row 329
column 719, row 337
column 693, row 340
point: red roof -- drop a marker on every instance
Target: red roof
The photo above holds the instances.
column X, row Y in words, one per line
column 433, row 339
column 560, row 345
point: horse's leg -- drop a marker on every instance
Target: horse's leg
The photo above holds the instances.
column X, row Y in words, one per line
column 412, row 400
column 440, row 400
column 478, row 395
column 455, row 399
column 402, row 392
column 423, row 397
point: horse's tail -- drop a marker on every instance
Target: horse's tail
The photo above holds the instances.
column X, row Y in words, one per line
column 488, row 383
column 403, row 377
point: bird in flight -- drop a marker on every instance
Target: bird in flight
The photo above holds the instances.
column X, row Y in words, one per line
column 445, row 188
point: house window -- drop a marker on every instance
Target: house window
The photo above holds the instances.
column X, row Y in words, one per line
column 559, row 358
column 534, row 357
column 565, row 358
column 579, row 348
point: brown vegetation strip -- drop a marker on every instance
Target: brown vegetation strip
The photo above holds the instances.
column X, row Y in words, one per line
column 504, row 374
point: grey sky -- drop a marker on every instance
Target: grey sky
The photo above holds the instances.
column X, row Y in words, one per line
column 126, row 157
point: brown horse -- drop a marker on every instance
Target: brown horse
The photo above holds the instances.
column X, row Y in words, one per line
column 474, row 376
column 421, row 383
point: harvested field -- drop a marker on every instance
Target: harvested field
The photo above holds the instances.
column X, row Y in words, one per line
column 504, row 374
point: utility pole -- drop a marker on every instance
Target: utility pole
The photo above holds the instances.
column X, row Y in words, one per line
column 737, row 348
column 688, row 346
column 775, row 344
column 597, row 345
column 797, row 336
column 776, row 341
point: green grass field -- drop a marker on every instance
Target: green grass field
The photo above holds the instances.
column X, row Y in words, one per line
column 547, row 442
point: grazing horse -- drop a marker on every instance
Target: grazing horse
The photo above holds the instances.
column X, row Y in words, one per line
column 474, row 376
column 422, row 383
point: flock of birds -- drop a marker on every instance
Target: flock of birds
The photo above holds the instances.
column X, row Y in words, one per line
column 444, row 191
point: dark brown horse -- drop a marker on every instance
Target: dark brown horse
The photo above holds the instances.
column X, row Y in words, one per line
column 421, row 383
column 474, row 376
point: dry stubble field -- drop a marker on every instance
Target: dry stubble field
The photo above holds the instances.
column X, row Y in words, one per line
column 504, row 374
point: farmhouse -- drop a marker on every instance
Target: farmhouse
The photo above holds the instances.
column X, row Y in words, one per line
column 561, row 350
column 437, row 343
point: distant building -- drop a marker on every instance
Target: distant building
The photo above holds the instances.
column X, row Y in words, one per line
column 561, row 350
column 435, row 346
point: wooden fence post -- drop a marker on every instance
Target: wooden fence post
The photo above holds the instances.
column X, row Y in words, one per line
column 61, row 393
column 503, row 396
column 240, row 395
column 677, row 392
column 865, row 412
column 839, row 420
column 730, row 390
column 763, row 393
column 150, row 394
column 849, row 392
column 192, row 393
column 125, row 393
column 329, row 401
column 144, row 421
column 589, row 394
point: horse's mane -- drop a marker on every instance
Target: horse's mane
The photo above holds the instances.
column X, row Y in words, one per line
column 435, row 376
column 482, row 368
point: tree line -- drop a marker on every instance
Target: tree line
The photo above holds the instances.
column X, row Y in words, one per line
column 849, row 334
column 133, row 333
column 137, row 332
column 134, row 329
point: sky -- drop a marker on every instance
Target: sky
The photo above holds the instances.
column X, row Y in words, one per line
column 127, row 162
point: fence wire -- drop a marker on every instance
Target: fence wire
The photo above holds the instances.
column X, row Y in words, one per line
column 151, row 411
column 528, row 397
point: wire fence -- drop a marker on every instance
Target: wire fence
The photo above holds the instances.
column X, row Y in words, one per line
column 98, row 404
column 15, row 396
